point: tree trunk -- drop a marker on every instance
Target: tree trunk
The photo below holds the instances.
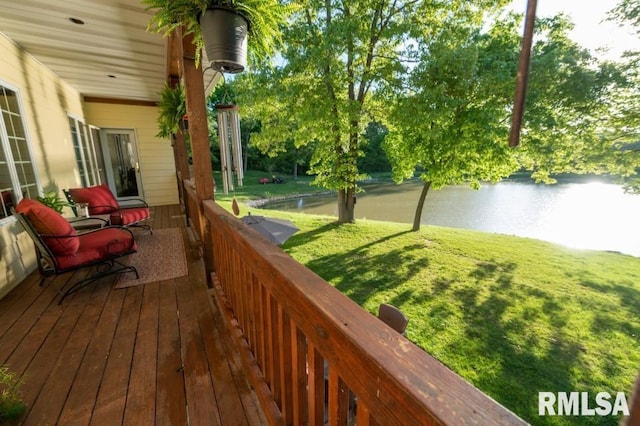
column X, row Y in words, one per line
column 346, row 206
column 418, row 215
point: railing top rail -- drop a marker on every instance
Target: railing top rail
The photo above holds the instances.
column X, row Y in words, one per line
column 395, row 378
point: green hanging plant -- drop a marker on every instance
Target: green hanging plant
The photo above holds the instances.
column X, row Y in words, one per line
column 172, row 110
column 265, row 18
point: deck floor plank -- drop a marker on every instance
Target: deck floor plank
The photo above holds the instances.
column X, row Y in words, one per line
column 109, row 409
column 202, row 406
column 15, row 302
column 53, row 395
column 152, row 354
column 38, row 373
column 141, row 401
column 82, row 397
column 170, row 396
column 24, row 318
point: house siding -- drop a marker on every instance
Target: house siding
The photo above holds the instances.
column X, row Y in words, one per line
column 45, row 102
column 156, row 154
column 17, row 256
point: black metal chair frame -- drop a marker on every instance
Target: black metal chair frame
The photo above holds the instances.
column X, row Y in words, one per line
column 48, row 265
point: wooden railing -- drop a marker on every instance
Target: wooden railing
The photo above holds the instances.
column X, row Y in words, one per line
column 314, row 356
column 192, row 208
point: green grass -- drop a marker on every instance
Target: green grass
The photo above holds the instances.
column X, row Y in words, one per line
column 513, row 316
column 253, row 189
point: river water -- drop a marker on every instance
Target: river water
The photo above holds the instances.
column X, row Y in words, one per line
column 587, row 215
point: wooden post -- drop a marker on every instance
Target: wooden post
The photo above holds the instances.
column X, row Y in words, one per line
column 199, row 133
column 198, row 128
column 174, row 65
column 523, row 74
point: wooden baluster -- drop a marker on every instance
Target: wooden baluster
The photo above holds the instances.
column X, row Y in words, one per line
column 253, row 310
column 338, row 399
column 286, row 364
column 261, row 327
column 316, row 386
column 276, row 386
column 299, row 376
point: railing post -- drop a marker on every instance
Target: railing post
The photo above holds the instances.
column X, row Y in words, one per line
column 198, row 127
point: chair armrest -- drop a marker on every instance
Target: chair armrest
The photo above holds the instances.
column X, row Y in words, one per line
column 111, row 208
column 132, row 203
column 92, row 231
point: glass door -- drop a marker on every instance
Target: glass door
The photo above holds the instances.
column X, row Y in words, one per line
column 119, row 149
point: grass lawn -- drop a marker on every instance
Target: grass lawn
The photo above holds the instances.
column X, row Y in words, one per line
column 253, row 189
column 513, row 316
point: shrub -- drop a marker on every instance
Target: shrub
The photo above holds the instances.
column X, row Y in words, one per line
column 11, row 404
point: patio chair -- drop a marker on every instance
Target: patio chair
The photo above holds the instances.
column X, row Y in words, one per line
column 393, row 317
column 59, row 249
column 101, row 201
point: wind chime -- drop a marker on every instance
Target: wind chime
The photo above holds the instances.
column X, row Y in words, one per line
column 230, row 145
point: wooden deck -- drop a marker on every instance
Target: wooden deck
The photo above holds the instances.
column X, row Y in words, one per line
column 152, row 354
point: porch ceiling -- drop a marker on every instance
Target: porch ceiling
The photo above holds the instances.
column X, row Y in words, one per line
column 110, row 56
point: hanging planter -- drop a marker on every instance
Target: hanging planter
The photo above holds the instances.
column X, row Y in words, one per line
column 172, row 110
column 225, row 34
column 223, row 27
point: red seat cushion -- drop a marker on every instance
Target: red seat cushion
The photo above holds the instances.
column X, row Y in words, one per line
column 47, row 221
column 129, row 216
column 95, row 246
column 99, row 198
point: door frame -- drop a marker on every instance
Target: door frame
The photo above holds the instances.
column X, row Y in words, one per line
column 104, row 142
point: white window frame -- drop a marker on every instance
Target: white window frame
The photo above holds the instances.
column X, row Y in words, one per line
column 16, row 185
column 88, row 169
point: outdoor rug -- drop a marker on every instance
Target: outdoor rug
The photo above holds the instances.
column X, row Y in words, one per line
column 160, row 256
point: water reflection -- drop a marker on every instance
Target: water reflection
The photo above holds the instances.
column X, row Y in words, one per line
column 590, row 215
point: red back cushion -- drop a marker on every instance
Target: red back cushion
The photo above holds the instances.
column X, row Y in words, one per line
column 99, row 198
column 47, row 221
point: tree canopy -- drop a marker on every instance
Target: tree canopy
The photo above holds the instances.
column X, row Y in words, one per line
column 459, row 114
column 438, row 82
column 340, row 58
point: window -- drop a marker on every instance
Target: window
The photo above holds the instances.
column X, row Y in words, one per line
column 84, row 148
column 18, row 176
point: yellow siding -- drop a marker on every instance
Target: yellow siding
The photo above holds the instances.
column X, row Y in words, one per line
column 45, row 100
column 17, row 255
column 156, row 155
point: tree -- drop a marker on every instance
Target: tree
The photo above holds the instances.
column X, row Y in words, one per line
column 627, row 124
column 458, row 124
column 453, row 124
column 572, row 109
column 338, row 55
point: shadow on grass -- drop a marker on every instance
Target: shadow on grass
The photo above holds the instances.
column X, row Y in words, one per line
column 360, row 274
column 514, row 340
column 302, row 238
column 514, row 362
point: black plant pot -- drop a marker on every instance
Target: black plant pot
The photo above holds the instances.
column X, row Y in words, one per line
column 225, row 33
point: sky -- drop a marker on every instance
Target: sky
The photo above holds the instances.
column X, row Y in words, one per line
column 589, row 31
